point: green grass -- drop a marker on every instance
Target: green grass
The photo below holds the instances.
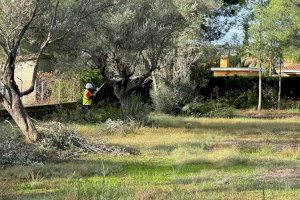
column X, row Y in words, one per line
column 179, row 158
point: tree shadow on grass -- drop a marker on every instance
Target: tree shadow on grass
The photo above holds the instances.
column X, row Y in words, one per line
column 119, row 167
column 231, row 127
column 248, row 146
column 141, row 171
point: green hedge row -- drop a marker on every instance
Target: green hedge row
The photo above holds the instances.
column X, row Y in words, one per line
column 222, row 86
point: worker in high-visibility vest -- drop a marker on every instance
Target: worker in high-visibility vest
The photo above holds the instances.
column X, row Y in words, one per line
column 87, row 98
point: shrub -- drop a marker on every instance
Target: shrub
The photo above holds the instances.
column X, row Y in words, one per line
column 242, row 92
column 108, row 111
column 212, row 108
column 138, row 110
column 171, row 98
column 88, row 75
column 223, row 112
column 101, row 114
column 290, row 104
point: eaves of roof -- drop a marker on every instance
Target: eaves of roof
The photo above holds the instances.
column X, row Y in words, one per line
column 248, row 69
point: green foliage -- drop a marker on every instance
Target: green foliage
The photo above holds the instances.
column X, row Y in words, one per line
column 132, row 28
column 101, row 114
column 274, row 29
column 212, row 108
column 108, row 111
column 170, row 98
column 138, row 110
column 88, row 75
column 242, row 92
column 290, row 104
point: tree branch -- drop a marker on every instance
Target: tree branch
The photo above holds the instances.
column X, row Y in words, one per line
column 35, row 70
column 3, row 91
column 40, row 52
column 3, row 45
column 151, row 63
column 101, row 63
column 83, row 16
column 24, row 29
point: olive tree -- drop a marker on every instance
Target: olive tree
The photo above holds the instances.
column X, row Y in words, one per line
column 33, row 26
column 128, row 44
column 16, row 18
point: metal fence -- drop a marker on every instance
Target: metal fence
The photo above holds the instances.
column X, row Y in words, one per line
column 53, row 90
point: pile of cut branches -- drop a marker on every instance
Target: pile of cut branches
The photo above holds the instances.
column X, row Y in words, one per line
column 58, row 142
column 57, row 137
column 14, row 151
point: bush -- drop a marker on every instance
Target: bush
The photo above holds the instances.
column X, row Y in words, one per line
column 212, row 108
column 88, row 75
column 290, row 104
column 98, row 114
column 138, row 110
column 242, row 92
column 223, row 112
column 170, row 99
column 108, row 111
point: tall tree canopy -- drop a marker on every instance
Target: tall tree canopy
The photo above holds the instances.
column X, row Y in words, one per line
column 128, row 43
column 275, row 28
column 273, row 32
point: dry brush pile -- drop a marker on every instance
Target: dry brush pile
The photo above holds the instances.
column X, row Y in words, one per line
column 58, row 142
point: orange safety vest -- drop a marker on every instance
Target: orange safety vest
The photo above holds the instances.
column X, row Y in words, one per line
column 86, row 100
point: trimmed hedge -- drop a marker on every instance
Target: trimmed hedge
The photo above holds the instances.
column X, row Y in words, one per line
column 221, row 86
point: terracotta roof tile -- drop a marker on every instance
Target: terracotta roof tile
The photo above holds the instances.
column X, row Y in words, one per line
column 295, row 67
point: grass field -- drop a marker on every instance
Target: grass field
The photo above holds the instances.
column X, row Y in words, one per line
column 175, row 158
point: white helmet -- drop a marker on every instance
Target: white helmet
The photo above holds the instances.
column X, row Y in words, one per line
column 89, row 86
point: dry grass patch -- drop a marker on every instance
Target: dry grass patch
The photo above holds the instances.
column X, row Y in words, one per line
column 179, row 158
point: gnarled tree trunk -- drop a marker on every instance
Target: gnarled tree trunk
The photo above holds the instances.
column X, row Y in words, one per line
column 120, row 92
column 125, row 105
column 126, row 84
column 17, row 111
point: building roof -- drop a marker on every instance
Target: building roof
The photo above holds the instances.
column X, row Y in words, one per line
column 246, row 69
column 295, row 67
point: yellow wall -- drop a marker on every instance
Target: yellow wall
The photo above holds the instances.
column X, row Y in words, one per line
column 224, row 62
column 235, row 73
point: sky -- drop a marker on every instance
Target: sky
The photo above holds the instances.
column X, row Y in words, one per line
column 233, row 25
